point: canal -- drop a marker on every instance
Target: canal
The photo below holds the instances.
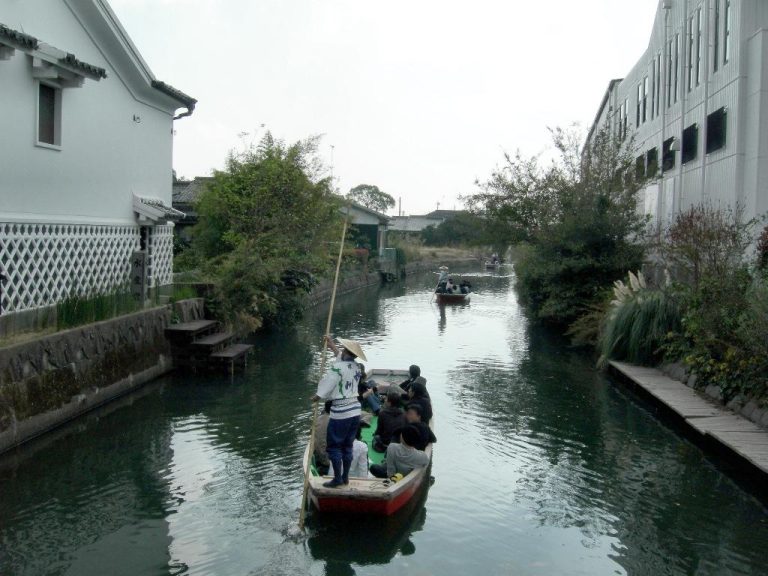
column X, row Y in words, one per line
column 542, row 466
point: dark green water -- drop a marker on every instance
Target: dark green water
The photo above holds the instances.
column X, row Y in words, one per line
column 542, row 466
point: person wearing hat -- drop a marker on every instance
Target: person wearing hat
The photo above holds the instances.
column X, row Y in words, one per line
column 339, row 385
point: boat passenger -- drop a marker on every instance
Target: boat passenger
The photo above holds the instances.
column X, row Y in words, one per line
column 413, row 415
column 391, row 418
column 450, row 287
column 321, row 430
column 465, row 287
column 418, row 395
column 339, row 385
column 367, row 393
column 359, row 467
column 414, row 375
column 402, row 458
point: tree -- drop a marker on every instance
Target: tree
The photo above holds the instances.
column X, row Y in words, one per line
column 463, row 228
column 265, row 225
column 371, row 197
column 577, row 220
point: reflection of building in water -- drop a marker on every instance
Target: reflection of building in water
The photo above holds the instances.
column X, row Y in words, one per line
column 104, row 510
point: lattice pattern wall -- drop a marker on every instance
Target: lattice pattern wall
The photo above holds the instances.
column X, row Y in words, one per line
column 46, row 263
column 160, row 261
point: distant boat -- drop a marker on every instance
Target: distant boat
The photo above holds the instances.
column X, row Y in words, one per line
column 491, row 265
column 372, row 496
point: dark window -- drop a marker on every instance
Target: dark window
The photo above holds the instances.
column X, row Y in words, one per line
column 46, row 115
column 668, row 155
column 690, row 143
column 716, row 40
column 640, row 167
column 639, row 104
column 652, row 162
column 716, row 130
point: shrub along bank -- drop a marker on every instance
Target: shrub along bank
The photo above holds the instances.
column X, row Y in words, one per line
column 577, row 233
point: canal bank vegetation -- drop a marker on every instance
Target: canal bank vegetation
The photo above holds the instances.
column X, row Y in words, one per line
column 580, row 245
column 711, row 311
column 572, row 221
column 268, row 224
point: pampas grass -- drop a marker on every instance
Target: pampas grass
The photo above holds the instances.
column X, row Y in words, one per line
column 638, row 323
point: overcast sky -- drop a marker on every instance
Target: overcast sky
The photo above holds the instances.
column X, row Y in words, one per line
column 419, row 97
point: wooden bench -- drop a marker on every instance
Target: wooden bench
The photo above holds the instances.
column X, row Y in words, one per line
column 189, row 331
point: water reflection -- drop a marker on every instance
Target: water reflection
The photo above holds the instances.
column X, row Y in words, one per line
column 342, row 542
column 542, row 466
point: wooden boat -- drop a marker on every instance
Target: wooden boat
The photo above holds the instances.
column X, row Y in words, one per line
column 454, row 298
column 374, row 496
column 490, row 265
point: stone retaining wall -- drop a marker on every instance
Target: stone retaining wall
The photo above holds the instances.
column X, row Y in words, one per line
column 52, row 379
column 746, row 407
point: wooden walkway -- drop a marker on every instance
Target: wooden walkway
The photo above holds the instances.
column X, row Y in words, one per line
column 733, row 432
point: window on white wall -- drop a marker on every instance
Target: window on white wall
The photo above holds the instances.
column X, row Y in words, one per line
column 716, row 37
column 698, row 46
column 645, row 98
column 716, row 130
column 653, row 87
column 727, row 32
column 689, row 35
column 658, row 83
column 677, row 64
column 639, row 104
column 49, row 115
column 670, row 63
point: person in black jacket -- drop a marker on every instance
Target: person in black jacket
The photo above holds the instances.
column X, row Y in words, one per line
column 391, row 418
column 413, row 418
column 417, row 394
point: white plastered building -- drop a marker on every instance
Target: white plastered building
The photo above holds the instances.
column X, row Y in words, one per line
column 697, row 104
column 85, row 155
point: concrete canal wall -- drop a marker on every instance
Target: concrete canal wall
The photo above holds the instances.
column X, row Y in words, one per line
column 54, row 378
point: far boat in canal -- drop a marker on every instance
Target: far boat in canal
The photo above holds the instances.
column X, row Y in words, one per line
column 372, row 496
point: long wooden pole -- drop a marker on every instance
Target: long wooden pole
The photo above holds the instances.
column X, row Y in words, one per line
column 303, row 511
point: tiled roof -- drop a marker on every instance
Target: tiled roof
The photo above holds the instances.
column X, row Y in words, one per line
column 192, row 191
column 18, row 38
column 71, row 60
column 185, row 99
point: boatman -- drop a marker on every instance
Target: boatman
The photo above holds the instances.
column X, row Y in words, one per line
column 339, row 385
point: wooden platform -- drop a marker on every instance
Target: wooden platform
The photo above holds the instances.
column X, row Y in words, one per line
column 731, row 431
column 191, row 330
column 233, row 354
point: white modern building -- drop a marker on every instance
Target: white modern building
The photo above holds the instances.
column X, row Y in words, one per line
column 697, row 104
column 85, row 156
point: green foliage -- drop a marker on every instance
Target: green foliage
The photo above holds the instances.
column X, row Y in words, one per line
column 706, row 241
column 78, row 310
column 638, row 323
column 462, row 229
column 724, row 336
column 371, row 197
column 266, row 224
column 578, row 218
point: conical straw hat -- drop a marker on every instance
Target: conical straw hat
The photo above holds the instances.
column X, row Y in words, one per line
column 353, row 347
